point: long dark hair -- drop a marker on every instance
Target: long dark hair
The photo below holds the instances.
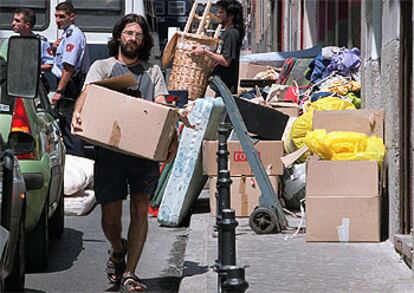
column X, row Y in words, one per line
column 233, row 7
column 147, row 43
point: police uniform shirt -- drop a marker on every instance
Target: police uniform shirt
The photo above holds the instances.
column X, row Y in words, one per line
column 150, row 81
column 46, row 54
column 71, row 50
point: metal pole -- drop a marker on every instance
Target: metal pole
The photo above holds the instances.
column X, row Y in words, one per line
column 223, row 190
column 224, row 181
column 235, row 280
column 228, row 226
column 232, row 277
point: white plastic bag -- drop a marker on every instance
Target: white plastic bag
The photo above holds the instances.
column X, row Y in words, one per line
column 294, row 186
column 78, row 174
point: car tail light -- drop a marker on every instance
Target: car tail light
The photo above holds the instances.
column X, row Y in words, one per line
column 20, row 122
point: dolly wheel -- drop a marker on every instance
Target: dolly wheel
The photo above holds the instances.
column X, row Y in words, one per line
column 263, row 221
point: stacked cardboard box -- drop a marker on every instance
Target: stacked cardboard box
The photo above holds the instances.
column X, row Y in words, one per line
column 245, row 191
column 343, row 198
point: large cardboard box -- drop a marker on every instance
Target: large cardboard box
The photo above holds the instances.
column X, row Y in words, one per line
column 126, row 124
column 245, row 193
column 270, row 152
column 343, row 196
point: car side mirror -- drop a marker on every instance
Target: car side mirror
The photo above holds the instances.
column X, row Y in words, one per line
column 23, row 66
column 21, row 142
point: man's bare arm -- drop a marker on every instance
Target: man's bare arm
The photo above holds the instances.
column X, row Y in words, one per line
column 67, row 73
column 76, row 119
column 46, row 67
column 218, row 58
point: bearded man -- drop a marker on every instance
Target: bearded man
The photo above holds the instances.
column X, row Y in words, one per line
column 116, row 173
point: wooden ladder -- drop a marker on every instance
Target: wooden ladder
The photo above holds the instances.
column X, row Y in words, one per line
column 204, row 20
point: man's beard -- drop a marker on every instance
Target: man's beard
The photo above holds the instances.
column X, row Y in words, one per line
column 129, row 49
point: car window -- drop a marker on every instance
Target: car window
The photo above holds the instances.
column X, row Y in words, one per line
column 98, row 16
column 40, row 7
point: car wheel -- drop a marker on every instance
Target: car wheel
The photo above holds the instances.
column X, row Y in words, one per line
column 57, row 221
column 15, row 282
column 37, row 253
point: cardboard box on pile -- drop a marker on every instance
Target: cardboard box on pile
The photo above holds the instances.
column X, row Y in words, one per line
column 245, row 193
column 368, row 121
column 290, row 109
column 344, row 194
column 126, row 124
column 270, row 152
column 249, row 71
column 341, row 190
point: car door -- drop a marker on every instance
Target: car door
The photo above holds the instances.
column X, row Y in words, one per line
column 54, row 145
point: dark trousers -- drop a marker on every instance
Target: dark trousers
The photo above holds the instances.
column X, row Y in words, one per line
column 74, row 145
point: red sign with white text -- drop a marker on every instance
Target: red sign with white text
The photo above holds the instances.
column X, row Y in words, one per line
column 240, row 156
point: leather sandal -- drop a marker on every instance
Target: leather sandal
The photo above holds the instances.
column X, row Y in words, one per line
column 116, row 269
column 131, row 283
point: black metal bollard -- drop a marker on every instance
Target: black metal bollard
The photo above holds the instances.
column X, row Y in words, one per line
column 230, row 277
column 234, row 280
column 223, row 180
column 223, row 188
column 228, row 226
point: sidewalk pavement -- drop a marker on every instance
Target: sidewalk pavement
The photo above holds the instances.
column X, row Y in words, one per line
column 279, row 265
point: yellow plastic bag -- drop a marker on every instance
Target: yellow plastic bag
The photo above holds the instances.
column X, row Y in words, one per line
column 330, row 104
column 304, row 122
column 344, row 145
column 374, row 151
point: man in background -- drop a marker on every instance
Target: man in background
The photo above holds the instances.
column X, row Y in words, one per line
column 24, row 20
column 70, row 66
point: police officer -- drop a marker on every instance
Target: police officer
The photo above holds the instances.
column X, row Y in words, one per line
column 70, row 66
column 23, row 21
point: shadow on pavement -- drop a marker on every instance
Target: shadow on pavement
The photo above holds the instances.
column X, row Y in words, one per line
column 194, row 268
column 65, row 251
column 27, row 290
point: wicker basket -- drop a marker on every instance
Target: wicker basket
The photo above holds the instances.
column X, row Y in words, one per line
column 191, row 72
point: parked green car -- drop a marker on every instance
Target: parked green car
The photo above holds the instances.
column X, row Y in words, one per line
column 12, row 213
column 44, row 167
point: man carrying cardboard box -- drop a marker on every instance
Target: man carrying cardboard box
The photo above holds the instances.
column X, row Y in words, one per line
column 115, row 173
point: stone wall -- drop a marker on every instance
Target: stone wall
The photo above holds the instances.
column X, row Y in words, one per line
column 381, row 72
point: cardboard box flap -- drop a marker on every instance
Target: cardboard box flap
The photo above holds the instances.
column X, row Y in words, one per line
column 342, row 178
column 118, row 83
column 249, row 71
column 368, row 121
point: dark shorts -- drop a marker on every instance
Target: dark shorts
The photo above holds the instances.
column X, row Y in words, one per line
column 115, row 172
